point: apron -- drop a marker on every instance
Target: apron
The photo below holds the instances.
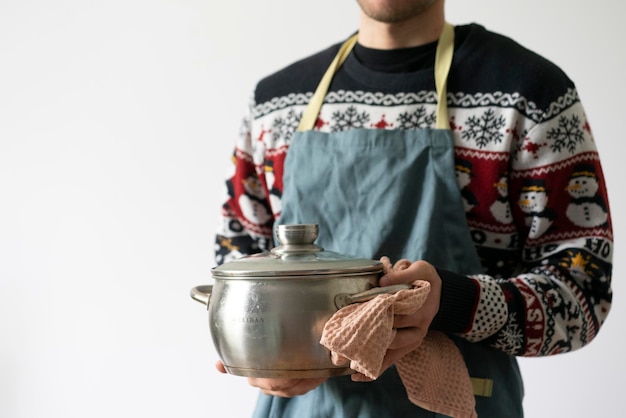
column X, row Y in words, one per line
column 387, row 192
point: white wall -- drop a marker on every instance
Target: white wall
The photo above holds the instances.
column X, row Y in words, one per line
column 116, row 124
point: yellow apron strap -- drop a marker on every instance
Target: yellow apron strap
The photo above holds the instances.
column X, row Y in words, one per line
column 482, row 387
column 315, row 104
column 443, row 61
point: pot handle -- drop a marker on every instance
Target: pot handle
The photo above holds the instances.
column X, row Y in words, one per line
column 345, row 299
column 202, row 294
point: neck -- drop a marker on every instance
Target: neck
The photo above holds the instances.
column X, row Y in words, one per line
column 418, row 30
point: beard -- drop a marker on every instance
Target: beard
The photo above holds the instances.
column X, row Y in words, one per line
column 394, row 11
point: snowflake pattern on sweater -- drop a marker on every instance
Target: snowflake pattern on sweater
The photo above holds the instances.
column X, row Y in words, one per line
column 528, row 173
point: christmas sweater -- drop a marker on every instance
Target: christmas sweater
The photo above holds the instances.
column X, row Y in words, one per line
column 527, row 168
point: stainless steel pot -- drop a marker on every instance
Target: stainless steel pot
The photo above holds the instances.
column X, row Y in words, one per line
column 267, row 311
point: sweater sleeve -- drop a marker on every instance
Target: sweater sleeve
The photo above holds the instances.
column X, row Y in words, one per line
column 558, row 295
column 246, row 219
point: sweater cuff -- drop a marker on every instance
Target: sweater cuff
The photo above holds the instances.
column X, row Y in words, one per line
column 458, row 302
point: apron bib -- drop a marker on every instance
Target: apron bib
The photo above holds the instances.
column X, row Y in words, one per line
column 387, row 192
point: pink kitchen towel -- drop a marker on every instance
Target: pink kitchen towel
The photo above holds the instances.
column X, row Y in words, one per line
column 435, row 375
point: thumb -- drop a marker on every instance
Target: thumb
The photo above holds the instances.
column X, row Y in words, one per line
column 220, row 367
column 396, row 277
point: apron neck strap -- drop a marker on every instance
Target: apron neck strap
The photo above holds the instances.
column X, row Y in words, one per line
column 443, row 61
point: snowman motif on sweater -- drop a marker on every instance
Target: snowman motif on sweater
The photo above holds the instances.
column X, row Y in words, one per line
column 500, row 208
column 587, row 208
column 463, row 170
column 274, row 192
column 533, row 202
column 252, row 201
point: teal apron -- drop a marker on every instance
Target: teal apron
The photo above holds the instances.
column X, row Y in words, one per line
column 387, row 192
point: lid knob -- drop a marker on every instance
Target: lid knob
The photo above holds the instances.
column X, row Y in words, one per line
column 297, row 234
column 299, row 238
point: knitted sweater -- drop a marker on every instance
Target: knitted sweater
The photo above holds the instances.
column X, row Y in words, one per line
column 527, row 169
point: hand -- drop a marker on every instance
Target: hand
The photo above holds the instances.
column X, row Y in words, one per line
column 286, row 388
column 411, row 329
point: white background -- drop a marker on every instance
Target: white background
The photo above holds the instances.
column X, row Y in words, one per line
column 117, row 121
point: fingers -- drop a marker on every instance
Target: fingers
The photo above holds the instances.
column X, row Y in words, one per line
column 419, row 270
column 272, row 385
column 220, row 366
column 360, row 377
column 402, row 264
column 387, row 267
column 409, row 338
column 286, row 388
column 279, row 387
column 407, row 321
column 406, row 341
column 399, row 265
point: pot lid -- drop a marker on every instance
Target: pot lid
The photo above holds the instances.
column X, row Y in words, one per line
column 297, row 255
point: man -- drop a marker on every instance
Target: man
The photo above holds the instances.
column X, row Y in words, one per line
column 514, row 268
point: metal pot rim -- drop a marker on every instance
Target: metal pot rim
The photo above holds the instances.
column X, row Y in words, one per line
column 296, row 266
column 296, row 256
